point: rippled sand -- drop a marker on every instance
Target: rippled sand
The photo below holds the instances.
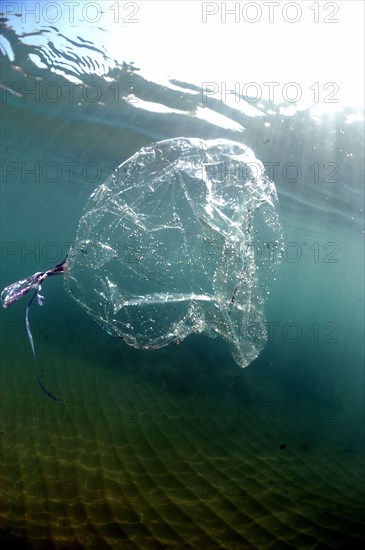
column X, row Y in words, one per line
column 139, row 457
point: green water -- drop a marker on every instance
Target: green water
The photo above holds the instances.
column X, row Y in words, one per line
column 181, row 448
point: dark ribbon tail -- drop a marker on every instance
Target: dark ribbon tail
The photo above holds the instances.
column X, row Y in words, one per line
column 27, row 325
column 44, row 390
column 30, row 338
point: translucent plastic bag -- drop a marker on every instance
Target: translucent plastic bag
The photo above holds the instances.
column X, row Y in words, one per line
column 183, row 238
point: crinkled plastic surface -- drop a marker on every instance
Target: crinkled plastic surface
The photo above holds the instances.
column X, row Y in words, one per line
column 183, row 238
